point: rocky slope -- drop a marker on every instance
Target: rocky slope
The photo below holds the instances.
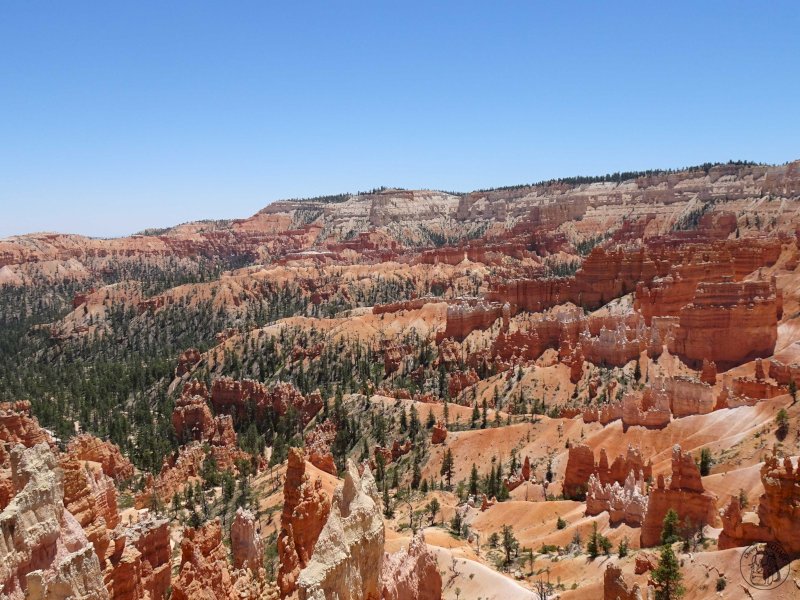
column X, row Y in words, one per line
column 409, row 394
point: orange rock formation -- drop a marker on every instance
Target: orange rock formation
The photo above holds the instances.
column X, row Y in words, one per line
column 684, row 494
column 778, row 510
column 107, row 455
column 246, row 547
column 615, row 587
column 305, row 512
column 581, row 465
column 411, row 573
column 229, row 396
column 318, row 446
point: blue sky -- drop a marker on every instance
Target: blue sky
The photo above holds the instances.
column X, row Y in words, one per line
column 118, row 116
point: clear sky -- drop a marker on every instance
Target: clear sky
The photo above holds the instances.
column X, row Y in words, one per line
column 118, row 116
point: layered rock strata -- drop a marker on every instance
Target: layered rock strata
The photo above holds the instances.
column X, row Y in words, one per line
column 236, row 398
column 44, row 553
column 107, row 455
column 683, row 493
column 318, row 446
column 778, row 515
column 581, row 466
column 305, row 513
column 246, row 546
column 729, row 323
column 346, row 563
column 411, row 573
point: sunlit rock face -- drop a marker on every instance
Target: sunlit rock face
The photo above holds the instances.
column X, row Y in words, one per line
column 44, row 552
column 346, row 562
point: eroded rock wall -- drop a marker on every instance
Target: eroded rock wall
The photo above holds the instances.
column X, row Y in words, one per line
column 346, row 563
column 684, row 493
column 43, row 548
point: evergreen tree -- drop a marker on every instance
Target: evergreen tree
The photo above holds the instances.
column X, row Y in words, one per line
column 456, row 523
column 605, row 545
column 433, row 508
column 667, row 576
column 414, row 424
column 380, row 467
column 388, row 512
column 705, row 462
column 510, row 543
column 447, row 466
column 669, row 531
column 473, row 481
column 782, row 421
column 228, row 485
column 592, row 546
column 416, row 475
column 501, row 490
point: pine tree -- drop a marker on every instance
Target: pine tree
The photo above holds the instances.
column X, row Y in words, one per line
column 433, row 507
column 509, row 542
column 447, row 466
column 669, row 531
column 485, row 414
column 502, row 490
column 416, row 475
column 388, row 512
column 667, row 576
column 491, row 487
column 705, row 462
column 605, row 544
column 473, row 481
column 456, row 523
column 592, row 546
column 380, row 467
column 414, row 424
column 782, row 421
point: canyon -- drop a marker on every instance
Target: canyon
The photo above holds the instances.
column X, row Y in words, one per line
column 409, row 394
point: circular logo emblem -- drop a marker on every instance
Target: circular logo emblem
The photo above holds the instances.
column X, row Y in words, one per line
column 765, row 565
